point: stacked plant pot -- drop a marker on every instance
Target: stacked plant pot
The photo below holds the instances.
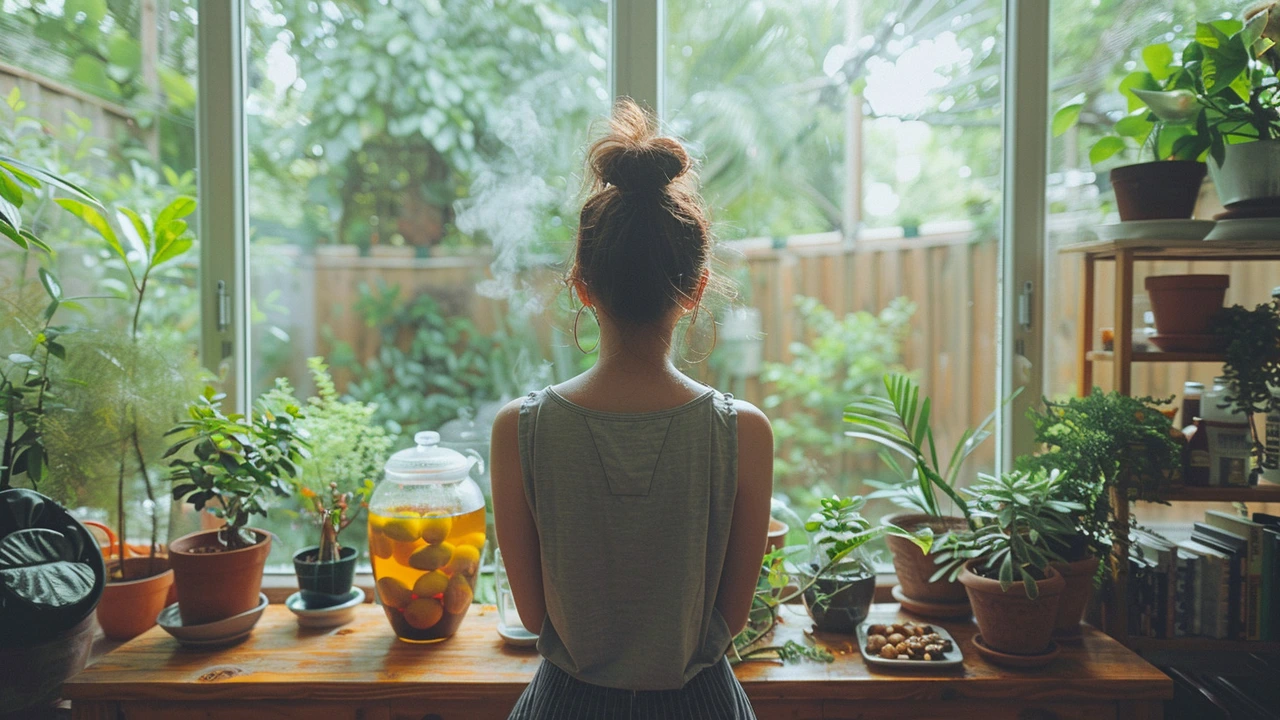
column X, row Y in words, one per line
column 916, row 590
column 1163, row 190
column 1184, row 307
column 1248, row 180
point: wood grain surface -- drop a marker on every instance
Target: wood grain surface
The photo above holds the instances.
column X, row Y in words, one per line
column 361, row 670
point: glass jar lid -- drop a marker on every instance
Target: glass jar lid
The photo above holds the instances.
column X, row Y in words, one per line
column 427, row 462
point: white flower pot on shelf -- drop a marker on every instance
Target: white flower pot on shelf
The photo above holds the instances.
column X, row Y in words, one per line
column 1248, row 172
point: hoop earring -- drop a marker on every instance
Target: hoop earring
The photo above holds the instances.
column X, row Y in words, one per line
column 578, row 317
column 688, row 334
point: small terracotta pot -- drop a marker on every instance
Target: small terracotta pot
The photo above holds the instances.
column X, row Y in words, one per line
column 1162, row 190
column 216, row 585
column 914, row 568
column 777, row 535
column 1186, row 304
column 129, row 607
column 1009, row 621
column 1075, row 595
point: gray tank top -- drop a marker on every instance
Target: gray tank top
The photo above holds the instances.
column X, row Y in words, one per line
column 633, row 513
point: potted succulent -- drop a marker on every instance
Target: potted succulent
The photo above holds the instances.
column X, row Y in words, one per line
column 925, row 488
column 334, row 482
column 237, row 464
column 842, row 586
column 1230, row 94
column 1168, row 184
column 1108, row 448
column 1005, row 561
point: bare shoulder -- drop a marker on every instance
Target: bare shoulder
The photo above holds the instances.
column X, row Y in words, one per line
column 506, row 423
column 752, row 420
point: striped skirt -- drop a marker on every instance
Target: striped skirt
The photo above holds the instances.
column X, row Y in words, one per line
column 713, row 694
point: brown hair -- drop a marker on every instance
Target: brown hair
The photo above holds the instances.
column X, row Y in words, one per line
column 644, row 241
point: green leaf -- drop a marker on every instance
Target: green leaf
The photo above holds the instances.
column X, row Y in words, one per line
column 177, row 209
column 171, row 250
column 95, row 220
column 50, row 283
column 10, row 190
column 1137, row 80
column 8, row 231
column 1225, row 58
column 38, row 569
column 135, row 231
column 1135, row 126
column 1158, row 59
column 1066, row 117
column 90, row 74
column 1105, row 148
column 50, row 178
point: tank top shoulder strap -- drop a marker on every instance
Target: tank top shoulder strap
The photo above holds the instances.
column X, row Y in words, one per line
column 528, row 422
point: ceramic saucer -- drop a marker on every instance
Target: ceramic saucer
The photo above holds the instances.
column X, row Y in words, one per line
column 517, row 637
column 935, row 611
column 325, row 617
column 221, row 632
column 996, row 657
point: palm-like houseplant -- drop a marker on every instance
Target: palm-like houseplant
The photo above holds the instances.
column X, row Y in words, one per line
column 925, row 486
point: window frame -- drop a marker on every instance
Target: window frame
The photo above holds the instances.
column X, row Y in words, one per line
column 636, row 29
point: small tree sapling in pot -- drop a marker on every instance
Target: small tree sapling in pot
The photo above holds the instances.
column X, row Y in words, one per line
column 236, row 466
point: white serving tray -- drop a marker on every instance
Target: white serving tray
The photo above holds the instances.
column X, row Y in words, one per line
column 953, row 658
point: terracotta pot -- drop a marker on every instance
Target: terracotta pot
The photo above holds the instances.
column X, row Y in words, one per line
column 914, row 568
column 129, row 608
column 216, row 585
column 1250, row 172
column 1186, row 304
column 1075, row 595
column 1167, row 189
column 33, row 675
column 1009, row 621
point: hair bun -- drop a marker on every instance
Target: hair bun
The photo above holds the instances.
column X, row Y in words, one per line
column 632, row 157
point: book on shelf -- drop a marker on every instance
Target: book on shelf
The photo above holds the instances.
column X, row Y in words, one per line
column 1270, row 625
column 1162, row 558
column 1252, row 533
column 1213, row 586
column 1187, row 592
column 1235, row 547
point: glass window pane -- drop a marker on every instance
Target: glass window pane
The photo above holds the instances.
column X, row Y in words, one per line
column 414, row 169
column 851, row 155
column 1097, row 44
column 104, row 95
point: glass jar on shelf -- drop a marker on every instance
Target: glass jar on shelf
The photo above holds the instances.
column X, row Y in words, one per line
column 426, row 536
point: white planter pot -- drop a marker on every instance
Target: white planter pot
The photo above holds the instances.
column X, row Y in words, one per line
column 1249, row 171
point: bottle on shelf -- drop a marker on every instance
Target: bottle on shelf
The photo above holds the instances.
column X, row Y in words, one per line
column 1196, row 456
column 1191, row 393
column 1227, row 432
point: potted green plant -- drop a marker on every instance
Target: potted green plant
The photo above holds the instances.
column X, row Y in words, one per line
column 1018, row 520
column 1108, row 448
column 128, row 387
column 924, row 487
column 1230, row 94
column 1251, row 339
column 334, row 483
column 828, row 575
column 843, row 583
column 1168, row 184
column 237, row 465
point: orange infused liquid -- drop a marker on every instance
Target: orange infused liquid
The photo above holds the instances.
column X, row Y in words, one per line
column 425, row 565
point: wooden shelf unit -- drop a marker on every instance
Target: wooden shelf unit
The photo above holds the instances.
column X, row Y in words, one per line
column 1263, row 492
column 1124, row 253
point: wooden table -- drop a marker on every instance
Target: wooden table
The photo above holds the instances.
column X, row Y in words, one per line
column 362, row 671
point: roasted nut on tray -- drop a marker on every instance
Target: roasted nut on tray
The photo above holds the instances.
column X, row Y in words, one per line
column 907, row 641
